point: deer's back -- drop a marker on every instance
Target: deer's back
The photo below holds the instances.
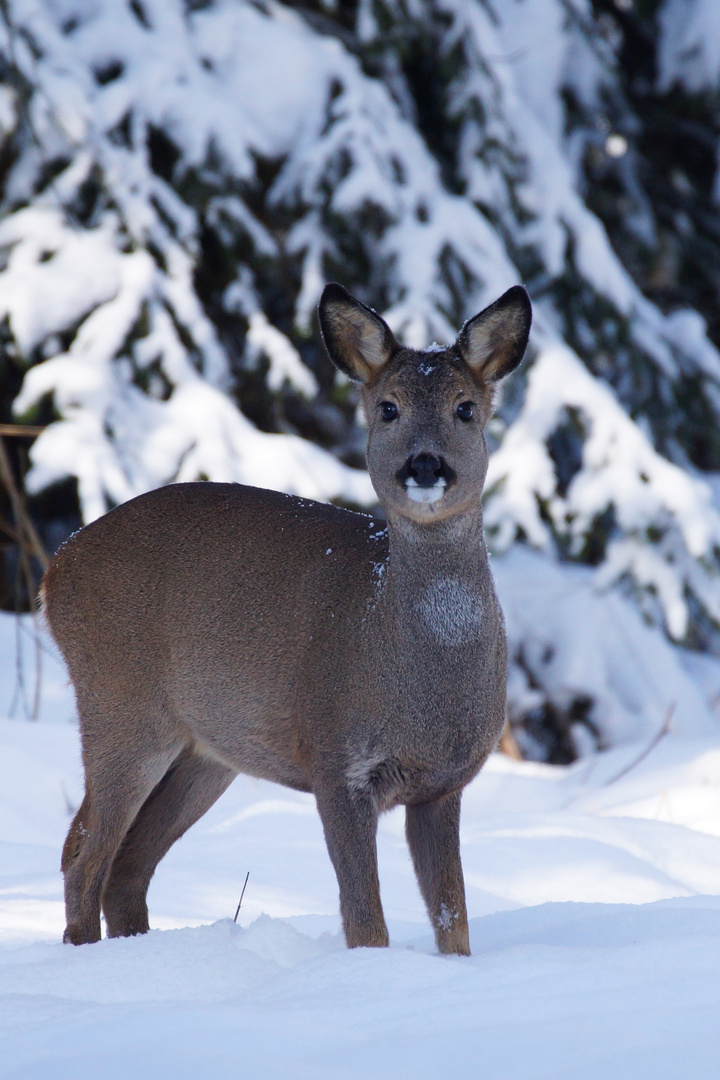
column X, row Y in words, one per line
column 222, row 608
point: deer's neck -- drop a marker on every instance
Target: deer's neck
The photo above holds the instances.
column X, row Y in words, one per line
column 438, row 578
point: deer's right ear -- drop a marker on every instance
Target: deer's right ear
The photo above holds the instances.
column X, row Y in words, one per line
column 358, row 341
column 494, row 342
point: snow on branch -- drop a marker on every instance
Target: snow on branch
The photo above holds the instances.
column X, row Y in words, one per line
column 660, row 528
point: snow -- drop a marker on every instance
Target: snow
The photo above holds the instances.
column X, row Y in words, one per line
column 621, row 471
column 594, row 902
column 690, row 44
column 131, row 307
column 569, row 636
column 593, row 890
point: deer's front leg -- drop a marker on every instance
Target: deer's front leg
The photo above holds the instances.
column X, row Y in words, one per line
column 350, row 824
column 433, row 834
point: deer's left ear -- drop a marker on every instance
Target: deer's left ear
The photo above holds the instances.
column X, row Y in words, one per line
column 494, row 342
column 358, row 341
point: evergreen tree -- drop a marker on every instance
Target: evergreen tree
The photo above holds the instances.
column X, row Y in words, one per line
column 178, row 180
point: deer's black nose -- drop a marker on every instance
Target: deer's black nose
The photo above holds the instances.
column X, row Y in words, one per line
column 425, row 469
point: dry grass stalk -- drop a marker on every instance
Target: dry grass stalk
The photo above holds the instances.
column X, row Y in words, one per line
column 237, row 910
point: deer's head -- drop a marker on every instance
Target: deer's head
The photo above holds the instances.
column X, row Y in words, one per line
column 426, row 411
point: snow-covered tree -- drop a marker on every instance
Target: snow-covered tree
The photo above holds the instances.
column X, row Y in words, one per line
column 178, row 179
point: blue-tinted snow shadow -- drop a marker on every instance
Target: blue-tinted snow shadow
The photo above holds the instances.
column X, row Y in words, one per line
column 596, row 926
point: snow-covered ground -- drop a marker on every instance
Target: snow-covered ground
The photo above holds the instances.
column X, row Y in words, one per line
column 595, row 926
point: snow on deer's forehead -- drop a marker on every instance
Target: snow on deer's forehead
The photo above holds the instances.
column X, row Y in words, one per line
column 435, row 379
column 419, row 372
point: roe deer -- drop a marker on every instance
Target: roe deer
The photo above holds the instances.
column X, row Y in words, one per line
column 211, row 629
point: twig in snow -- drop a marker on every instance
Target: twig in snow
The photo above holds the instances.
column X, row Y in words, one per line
column 648, row 749
column 241, row 896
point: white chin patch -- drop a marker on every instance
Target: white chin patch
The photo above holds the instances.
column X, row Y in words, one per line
column 425, row 494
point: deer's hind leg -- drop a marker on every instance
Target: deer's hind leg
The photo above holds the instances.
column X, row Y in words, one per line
column 128, row 747
column 189, row 788
column 107, row 811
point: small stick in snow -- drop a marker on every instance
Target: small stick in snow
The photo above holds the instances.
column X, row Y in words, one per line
column 241, row 896
column 648, row 749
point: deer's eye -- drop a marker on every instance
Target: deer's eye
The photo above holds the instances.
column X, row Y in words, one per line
column 465, row 411
column 388, row 410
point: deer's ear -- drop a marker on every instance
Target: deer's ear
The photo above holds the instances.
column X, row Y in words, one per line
column 494, row 342
column 358, row 342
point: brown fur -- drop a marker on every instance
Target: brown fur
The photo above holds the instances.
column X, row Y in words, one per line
column 211, row 629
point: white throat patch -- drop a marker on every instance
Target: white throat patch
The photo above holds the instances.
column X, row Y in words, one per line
column 452, row 611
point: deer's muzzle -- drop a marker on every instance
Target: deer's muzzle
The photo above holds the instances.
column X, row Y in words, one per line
column 425, row 477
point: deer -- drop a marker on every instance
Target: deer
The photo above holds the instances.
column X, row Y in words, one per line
column 213, row 629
